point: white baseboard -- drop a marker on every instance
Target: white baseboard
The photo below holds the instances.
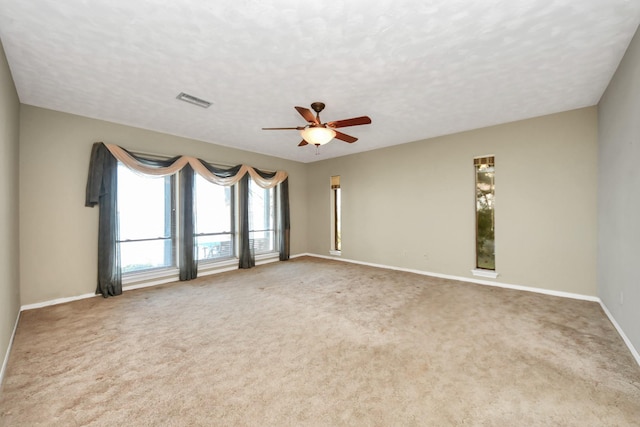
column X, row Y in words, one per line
column 268, row 260
column 624, row 337
column 159, row 281
column 626, row 340
column 217, row 270
column 8, row 352
column 55, row 301
column 149, row 284
column 467, row 279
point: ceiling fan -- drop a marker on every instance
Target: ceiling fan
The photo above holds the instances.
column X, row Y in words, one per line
column 318, row 133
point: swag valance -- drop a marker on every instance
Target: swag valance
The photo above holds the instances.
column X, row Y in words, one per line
column 199, row 166
column 102, row 191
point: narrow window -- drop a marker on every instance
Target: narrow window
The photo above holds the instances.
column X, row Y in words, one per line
column 215, row 225
column 336, row 206
column 146, row 221
column 262, row 219
column 485, row 213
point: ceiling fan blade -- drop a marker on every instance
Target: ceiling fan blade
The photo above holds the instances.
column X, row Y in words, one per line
column 296, row 128
column 308, row 115
column 356, row 121
column 303, row 143
column 344, row 137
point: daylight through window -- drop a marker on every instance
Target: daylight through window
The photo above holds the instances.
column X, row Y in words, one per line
column 336, row 207
column 146, row 221
column 485, row 212
column 215, row 225
column 262, row 218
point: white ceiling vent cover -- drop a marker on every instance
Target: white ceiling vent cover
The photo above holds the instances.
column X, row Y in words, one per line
column 193, row 100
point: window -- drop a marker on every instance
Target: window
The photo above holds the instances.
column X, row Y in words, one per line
column 485, row 213
column 336, row 207
column 148, row 224
column 146, row 220
column 262, row 219
column 215, row 224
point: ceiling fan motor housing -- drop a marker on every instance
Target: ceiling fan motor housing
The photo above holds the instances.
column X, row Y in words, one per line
column 317, row 106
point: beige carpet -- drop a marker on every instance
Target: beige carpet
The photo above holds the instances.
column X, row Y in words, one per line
column 317, row 342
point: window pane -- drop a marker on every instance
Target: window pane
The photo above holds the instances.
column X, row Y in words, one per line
column 336, row 209
column 214, row 220
column 262, row 241
column 485, row 215
column 338, row 214
column 262, row 210
column 215, row 247
column 144, row 255
column 145, row 212
column 213, row 207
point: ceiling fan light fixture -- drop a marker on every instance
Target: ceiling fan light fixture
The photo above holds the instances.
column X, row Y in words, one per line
column 317, row 135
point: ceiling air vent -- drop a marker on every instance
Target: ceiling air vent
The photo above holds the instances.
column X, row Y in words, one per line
column 193, row 100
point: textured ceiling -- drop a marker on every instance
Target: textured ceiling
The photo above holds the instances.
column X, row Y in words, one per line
column 418, row 68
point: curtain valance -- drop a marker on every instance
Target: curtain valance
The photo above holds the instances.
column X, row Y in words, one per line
column 199, row 166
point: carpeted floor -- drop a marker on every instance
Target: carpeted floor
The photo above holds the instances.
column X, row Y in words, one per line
column 318, row 342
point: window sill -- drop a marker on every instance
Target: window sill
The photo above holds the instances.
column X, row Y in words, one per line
column 206, row 268
column 266, row 258
column 143, row 279
column 489, row 274
column 149, row 278
column 335, row 253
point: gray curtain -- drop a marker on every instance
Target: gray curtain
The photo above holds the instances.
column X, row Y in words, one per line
column 245, row 252
column 285, row 224
column 101, row 189
column 188, row 263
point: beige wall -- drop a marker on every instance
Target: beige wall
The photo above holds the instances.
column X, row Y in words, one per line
column 9, row 264
column 58, row 234
column 619, row 194
column 408, row 206
column 412, row 206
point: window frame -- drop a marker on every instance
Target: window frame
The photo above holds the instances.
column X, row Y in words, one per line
column 233, row 233
column 170, row 213
column 487, row 161
column 161, row 274
column 272, row 194
column 336, row 216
